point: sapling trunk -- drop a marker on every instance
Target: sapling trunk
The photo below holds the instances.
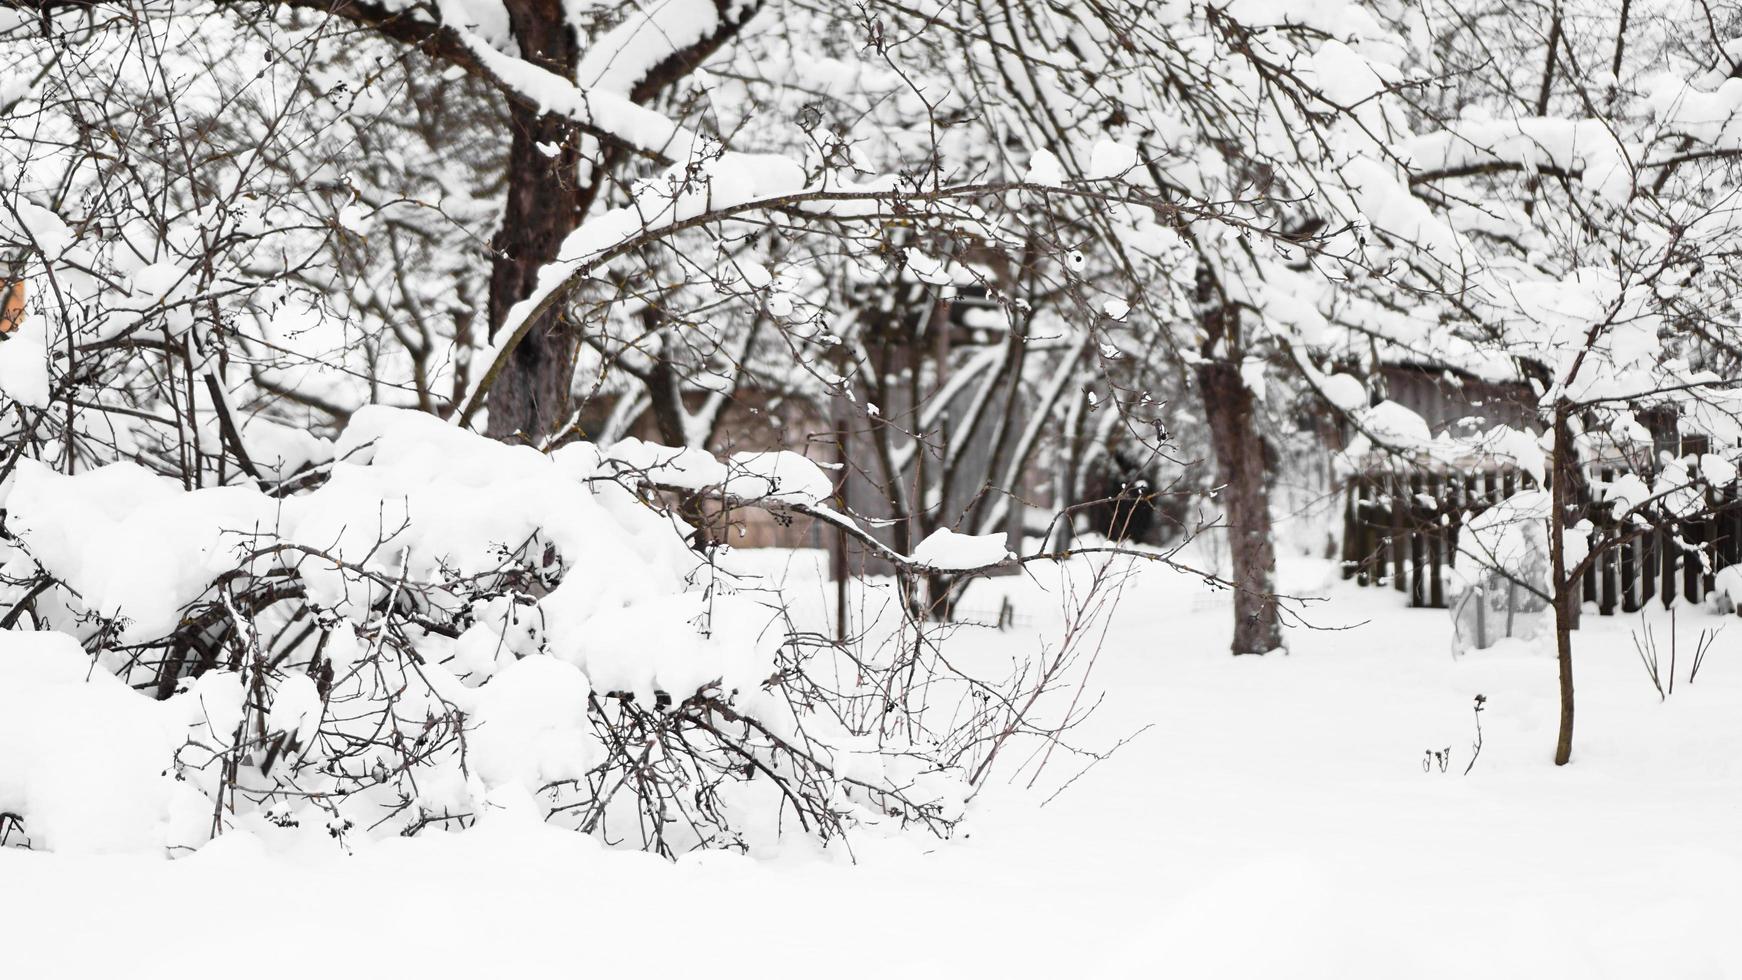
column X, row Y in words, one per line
column 1565, row 594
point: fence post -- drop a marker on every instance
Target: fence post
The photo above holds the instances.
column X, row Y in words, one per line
column 1397, row 531
column 1438, row 527
column 1585, row 508
column 1694, row 533
column 1351, row 527
column 1606, row 600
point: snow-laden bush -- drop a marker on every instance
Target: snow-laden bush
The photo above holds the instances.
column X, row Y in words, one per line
column 1501, row 590
column 442, row 617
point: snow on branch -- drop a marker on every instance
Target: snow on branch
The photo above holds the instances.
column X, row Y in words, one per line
column 601, row 110
column 1582, row 149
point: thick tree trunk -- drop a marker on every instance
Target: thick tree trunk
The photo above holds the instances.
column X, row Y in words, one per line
column 547, row 199
column 665, row 399
column 1231, row 410
column 543, row 205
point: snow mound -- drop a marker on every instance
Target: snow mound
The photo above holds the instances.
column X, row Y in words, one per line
column 443, row 619
column 83, row 759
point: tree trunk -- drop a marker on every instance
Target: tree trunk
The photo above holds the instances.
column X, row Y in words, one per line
column 543, row 205
column 1566, row 592
column 547, row 200
column 1231, row 410
column 665, row 400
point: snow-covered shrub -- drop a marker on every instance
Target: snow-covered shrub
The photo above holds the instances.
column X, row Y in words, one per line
column 1727, row 588
column 442, row 617
column 1500, row 585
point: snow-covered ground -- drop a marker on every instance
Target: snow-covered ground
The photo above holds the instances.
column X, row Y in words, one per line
column 1273, row 820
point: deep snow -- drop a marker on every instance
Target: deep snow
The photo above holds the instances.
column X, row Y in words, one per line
column 1274, row 821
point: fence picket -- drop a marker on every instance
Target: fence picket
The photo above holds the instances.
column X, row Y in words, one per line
column 1402, row 529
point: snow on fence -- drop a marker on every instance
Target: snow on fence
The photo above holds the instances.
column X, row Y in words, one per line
column 1401, row 529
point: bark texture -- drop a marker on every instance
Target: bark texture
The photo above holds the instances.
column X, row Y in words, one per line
column 543, row 205
column 546, row 201
column 1231, row 410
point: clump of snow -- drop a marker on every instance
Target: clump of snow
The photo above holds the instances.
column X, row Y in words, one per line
column 1252, row 375
column 1717, row 470
column 82, row 757
column 1044, row 169
column 134, row 546
column 1394, row 425
column 1581, row 148
column 1345, row 391
column 1625, row 492
column 155, row 284
column 946, row 550
column 44, row 229
column 502, row 631
column 530, row 725
column 1521, row 448
column 1110, row 159
column 1728, row 583
column 687, row 467
column 24, row 374
column 932, row 270
column 296, row 710
column 782, row 475
column 279, row 450
column 679, row 644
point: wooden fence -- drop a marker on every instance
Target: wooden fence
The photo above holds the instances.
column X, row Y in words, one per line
column 1401, row 528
